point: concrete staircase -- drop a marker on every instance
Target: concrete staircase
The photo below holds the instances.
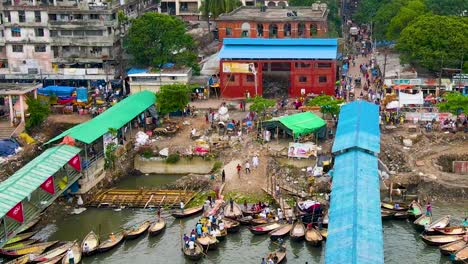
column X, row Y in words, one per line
column 6, row 130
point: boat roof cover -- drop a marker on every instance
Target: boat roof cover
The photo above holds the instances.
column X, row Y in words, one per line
column 26, row 180
column 358, row 127
column 115, row 117
column 299, row 124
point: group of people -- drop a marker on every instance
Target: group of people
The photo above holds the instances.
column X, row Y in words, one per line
column 255, row 164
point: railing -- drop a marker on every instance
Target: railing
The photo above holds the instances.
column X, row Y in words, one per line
column 93, row 164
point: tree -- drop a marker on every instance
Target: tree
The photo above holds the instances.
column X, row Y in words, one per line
column 367, row 9
column 383, row 16
column 448, row 7
column 218, row 7
column 454, row 103
column 435, row 42
column 328, row 104
column 38, row 111
column 173, row 97
column 155, row 39
column 405, row 16
column 334, row 19
column 261, row 104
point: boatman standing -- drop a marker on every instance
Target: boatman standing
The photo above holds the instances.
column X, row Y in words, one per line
column 182, row 205
column 71, row 257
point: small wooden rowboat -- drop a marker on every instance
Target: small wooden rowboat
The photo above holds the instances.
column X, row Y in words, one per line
column 19, row 238
column 232, row 226
column 324, row 233
column 453, row 247
column 400, row 215
column 90, row 244
column 221, row 234
column 439, row 223
column 387, row 214
column 20, row 244
column 76, row 249
column 281, row 231
column 461, row 256
column 245, row 220
column 187, row 212
column 394, row 206
column 21, row 260
column 263, row 229
column 208, row 242
column 35, row 249
column 30, row 224
column 195, row 254
column 451, row 230
column 277, row 256
column 313, row 237
column 250, row 212
column 422, row 222
column 157, row 227
column 54, row 252
column 134, row 232
column 415, row 211
column 54, row 260
column 234, row 212
column 298, row 231
column 439, row 240
column 259, row 221
column 113, row 241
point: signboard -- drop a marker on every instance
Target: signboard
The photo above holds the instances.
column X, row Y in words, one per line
column 16, row 213
column 237, row 67
column 407, row 81
column 75, row 162
column 301, row 150
column 429, row 116
column 48, row 185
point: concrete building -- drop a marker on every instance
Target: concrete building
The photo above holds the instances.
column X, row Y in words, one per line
column 152, row 81
column 274, row 22
column 61, row 40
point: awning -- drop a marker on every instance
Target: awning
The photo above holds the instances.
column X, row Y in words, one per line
column 298, row 124
column 115, row 117
column 26, row 180
column 403, row 87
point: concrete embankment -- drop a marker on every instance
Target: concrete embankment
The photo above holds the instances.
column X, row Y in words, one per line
column 183, row 166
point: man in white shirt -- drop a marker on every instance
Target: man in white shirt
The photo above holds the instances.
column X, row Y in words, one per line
column 191, row 246
column 221, row 226
column 247, row 167
column 255, row 161
column 182, row 205
column 71, row 257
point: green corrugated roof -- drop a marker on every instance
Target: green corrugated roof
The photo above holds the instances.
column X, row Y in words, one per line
column 302, row 123
column 115, row 117
column 26, row 180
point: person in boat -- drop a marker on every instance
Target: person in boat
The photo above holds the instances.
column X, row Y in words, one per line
column 428, row 209
column 70, row 256
column 465, row 224
column 275, row 258
column 309, row 226
column 208, row 225
column 86, row 247
column 282, row 247
column 280, row 215
column 182, row 205
column 465, row 237
column 191, row 246
column 246, row 206
column 221, row 225
column 263, row 261
column 397, row 206
column 112, row 237
column 204, row 230
column 159, row 213
column 319, row 222
column 231, row 203
column 186, row 240
column 199, row 229
column 262, row 214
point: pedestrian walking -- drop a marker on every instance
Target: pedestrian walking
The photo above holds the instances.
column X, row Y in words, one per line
column 239, row 167
column 247, row 167
column 255, row 161
column 277, row 190
column 223, row 176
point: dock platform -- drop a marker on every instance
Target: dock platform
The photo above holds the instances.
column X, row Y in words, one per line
column 287, row 210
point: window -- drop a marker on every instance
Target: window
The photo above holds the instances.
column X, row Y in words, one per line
column 64, row 17
column 17, row 48
column 109, row 30
column 78, row 33
column 250, row 78
column 37, row 16
column 173, row 77
column 53, row 33
column 302, row 65
column 259, row 30
column 322, row 79
column 78, row 17
column 1, row 34
column 21, row 16
column 302, row 79
column 97, row 50
column 39, row 32
column 94, row 33
column 228, row 31
column 94, row 16
column 65, row 33
column 231, row 78
column 4, row 64
column 16, row 32
column 53, row 17
column 313, row 30
column 40, row 48
column 55, row 50
column 245, row 34
column 8, row 16
column 323, row 65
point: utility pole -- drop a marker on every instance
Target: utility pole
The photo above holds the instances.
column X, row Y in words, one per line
column 440, row 76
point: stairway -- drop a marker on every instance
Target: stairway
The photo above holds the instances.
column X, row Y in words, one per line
column 6, row 130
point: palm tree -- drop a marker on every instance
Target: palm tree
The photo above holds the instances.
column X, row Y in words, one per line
column 218, row 7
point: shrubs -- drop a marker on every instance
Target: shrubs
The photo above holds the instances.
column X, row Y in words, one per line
column 173, row 158
column 217, row 166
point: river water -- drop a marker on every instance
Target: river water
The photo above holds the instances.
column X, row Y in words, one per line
column 402, row 242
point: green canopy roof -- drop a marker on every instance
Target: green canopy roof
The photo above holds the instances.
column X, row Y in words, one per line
column 26, row 180
column 299, row 124
column 115, row 117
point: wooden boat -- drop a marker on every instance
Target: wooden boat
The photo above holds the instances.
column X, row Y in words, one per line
column 20, row 244
column 392, row 206
column 259, row 221
column 281, row 231
column 54, row 252
column 245, row 220
column 76, row 254
column 157, row 227
column 422, row 222
column 280, row 256
column 440, row 240
column 400, row 215
column 439, row 223
column 263, row 229
column 313, row 237
column 221, row 234
column 21, row 260
column 461, row 256
column 30, row 225
column 249, row 212
column 55, row 260
column 196, row 254
column 208, row 242
column 297, row 232
column 137, row 231
column 20, row 238
column 324, row 233
column 92, row 242
column 415, row 210
column 451, row 230
column 114, row 240
column 386, row 214
column 234, row 212
column 453, row 247
column 187, row 212
column 232, row 226
column 29, row 249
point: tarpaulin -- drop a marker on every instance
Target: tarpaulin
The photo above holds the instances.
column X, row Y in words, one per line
column 415, row 99
column 8, row 147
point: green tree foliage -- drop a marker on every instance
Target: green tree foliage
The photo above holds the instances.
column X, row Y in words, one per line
column 260, row 104
column 328, row 104
column 155, row 39
column 408, row 13
column 334, row 19
column 367, row 10
column 435, row 41
column 383, row 17
column 218, row 7
column 448, row 7
column 172, row 98
column 454, row 103
column 38, row 112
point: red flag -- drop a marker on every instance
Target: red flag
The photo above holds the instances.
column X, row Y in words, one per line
column 75, row 163
column 48, row 185
column 17, row 212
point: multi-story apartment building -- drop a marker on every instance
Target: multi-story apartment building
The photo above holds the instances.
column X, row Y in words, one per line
column 65, row 41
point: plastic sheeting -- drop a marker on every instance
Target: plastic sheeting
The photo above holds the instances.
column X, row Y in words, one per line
column 415, row 99
column 57, row 90
column 8, row 147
